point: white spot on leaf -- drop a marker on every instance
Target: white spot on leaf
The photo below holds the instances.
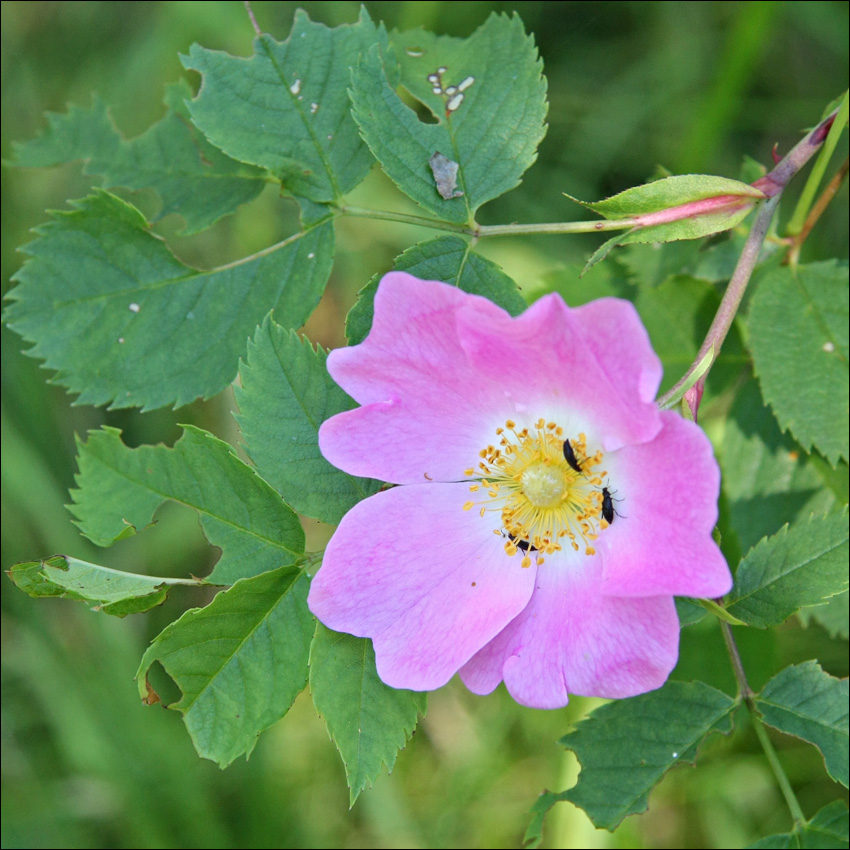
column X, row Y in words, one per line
column 454, row 102
column 829, row 347
column 313, row 108
column 415, row 52
column 134, row 308
column 465, row 84
column 295, row 87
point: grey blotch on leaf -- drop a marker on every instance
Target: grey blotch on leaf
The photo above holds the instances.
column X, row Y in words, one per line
column 445, row 176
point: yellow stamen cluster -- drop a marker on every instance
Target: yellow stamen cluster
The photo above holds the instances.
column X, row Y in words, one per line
column 543, row 501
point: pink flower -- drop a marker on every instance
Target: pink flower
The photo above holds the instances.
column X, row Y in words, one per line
column 547, row 511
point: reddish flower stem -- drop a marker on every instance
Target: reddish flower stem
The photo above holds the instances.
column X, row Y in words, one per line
column 772, row 184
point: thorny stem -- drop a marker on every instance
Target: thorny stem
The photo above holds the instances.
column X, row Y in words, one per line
column 772, row 184
column 816, row 212
column 730, row 302
column 747, row 695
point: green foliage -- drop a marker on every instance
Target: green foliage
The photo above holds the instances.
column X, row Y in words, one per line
column 677, row 316
column 446, row 258
column 490, row 126
column 286, row 109
column 239, row 662
column 626, row 747
column 804, row 701
column 192, row 177
column 827, row 830
column 368, row 721
column 119, row 489
column 803, row 564
column 455, row 123
column 111, row 591
column 832, row 615
column 285, row 396
column 766, row 475
column 108, row 305
column 799, row 339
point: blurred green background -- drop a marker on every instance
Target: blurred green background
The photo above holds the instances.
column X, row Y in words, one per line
column 690, row 86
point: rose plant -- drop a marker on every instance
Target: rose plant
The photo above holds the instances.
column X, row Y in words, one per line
column 517, row 496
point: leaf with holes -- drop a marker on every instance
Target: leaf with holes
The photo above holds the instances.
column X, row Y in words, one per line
column 487, row 95
column 239, row 663
column 119, row 490
column 103, row 589
column 368, row 721
column 285, row 395
column 286, row 108
column 123, row 321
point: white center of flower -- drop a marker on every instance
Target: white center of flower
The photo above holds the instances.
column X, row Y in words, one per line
column 545, row 487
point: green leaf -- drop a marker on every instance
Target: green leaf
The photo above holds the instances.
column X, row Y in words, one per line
column 119, row 489
column 803, row 564
column 832, row 615
column 808, row 703
column 239, row 663
column 767, row 478
column 285, row 395
column 827, row 830
column 449, row 259
column 799, row 340
column 625, row 747
column 368, row 721
column 123, row 321
column 489, row 113
column 102, row 588
column 192, row 177
column 286, row 108
column 689, row 611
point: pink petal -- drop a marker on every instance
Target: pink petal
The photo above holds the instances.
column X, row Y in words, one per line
column 662, row 543
column 571, row 638
column 428, row 582
column 441, row 370
column 561, row 368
